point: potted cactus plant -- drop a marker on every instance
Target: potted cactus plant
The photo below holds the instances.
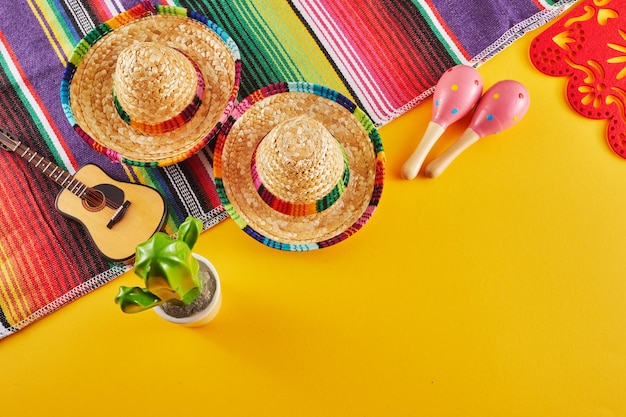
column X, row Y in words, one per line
column 181, row 286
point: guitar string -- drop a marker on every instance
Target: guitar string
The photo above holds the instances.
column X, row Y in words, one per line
column 91, row 196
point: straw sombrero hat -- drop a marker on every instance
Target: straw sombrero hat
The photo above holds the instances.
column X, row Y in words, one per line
column 152, row 85
column 299, row 166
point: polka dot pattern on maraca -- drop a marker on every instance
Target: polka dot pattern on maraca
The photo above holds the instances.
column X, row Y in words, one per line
column 458, row 89
column 503, row 105
column 455, row 87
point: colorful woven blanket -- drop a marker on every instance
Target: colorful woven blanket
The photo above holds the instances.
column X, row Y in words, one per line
column 384, row 54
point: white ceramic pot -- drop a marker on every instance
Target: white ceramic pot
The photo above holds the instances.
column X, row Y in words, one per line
column 205, row 315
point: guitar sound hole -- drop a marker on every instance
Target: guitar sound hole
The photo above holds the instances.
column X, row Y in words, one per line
column 94, row 200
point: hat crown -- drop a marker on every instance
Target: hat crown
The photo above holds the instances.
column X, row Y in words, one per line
column 154, row 82
column 300, row 162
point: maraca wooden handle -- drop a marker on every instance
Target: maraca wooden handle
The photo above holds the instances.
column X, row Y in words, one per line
column 456, row 92
column 412, row 166
column 436, row 167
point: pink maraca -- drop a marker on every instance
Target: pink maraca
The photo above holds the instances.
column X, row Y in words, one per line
column 502, row 106
column 456, row 93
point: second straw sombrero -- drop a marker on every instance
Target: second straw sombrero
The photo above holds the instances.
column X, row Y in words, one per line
column 299, row 166
column 151, row 86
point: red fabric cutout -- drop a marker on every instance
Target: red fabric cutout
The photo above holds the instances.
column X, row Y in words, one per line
column 588, row 44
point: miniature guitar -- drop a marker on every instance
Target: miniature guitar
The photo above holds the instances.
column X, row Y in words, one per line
column 117, row 215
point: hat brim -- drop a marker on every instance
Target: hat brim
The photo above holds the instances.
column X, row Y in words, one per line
column 86, row 90
column 252, row 119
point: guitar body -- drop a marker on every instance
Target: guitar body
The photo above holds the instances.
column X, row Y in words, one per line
column 144, row 216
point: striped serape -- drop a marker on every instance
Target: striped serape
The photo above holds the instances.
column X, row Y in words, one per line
column 384, row 54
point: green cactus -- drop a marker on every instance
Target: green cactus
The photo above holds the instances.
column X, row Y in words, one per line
column 168, row 269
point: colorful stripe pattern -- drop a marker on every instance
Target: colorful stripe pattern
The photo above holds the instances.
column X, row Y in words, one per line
column 384, row 55
column 46, row 260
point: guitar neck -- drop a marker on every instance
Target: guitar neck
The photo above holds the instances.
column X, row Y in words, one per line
column 52, row 171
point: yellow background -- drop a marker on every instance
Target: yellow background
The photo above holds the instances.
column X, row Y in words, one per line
column 497, row 289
